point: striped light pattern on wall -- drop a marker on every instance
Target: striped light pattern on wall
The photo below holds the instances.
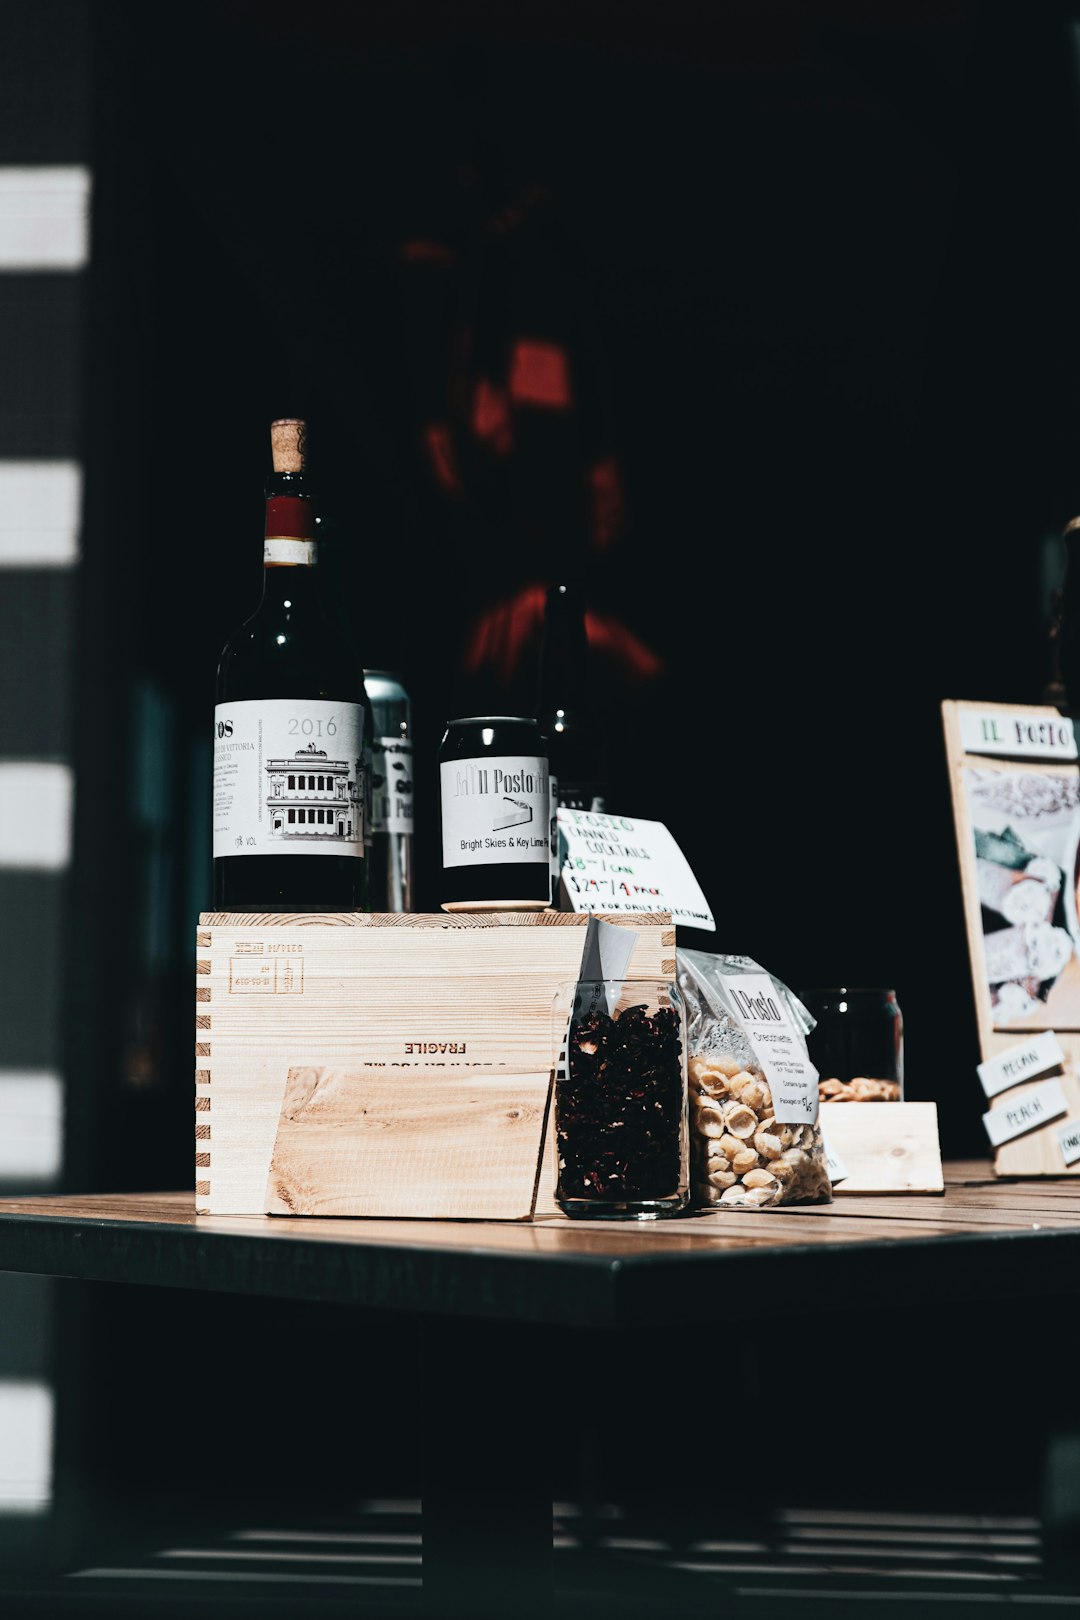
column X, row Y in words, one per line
column 31, row 1126
column 26, row 1445
column 40, row 511
column 44, row 227
column 47, row 76
column 36, row 806
column 44, row 217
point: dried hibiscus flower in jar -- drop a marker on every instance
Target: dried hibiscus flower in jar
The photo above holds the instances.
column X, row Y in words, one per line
column 620, row 1106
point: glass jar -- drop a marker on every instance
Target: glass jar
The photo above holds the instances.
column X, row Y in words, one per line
column 857, row 1044
column 619, row 1054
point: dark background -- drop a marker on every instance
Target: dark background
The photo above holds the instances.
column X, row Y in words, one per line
column 810, row 271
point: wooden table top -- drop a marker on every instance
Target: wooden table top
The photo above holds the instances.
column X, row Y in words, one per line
column 982, row 1238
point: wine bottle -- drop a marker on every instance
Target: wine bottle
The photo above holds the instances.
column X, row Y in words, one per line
column 391, row 851
column 577, row 745
column 289, row 726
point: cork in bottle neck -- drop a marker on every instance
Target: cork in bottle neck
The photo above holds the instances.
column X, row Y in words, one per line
column 288, row 444
column 290, row 511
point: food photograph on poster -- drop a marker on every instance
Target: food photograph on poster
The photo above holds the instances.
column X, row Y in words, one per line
column 1025, row 832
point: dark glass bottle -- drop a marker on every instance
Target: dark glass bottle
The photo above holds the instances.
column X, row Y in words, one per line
column 391, row 844
column 576, row 741
column 1064, row 685
column 495, row 813
column 289, row 727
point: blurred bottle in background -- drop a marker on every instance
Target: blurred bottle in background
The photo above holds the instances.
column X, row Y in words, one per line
column 392, row 793
column 1063, row 683
column 577, row 741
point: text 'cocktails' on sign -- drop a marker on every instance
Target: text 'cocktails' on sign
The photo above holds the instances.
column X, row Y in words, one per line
column 620, row 863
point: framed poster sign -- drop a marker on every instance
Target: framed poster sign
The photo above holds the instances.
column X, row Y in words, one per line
column 1014, row 772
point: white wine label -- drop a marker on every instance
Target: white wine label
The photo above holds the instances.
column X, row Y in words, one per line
column 792, row 1077
column 369, row 803
column 554, row 853
column 286, row 551
column 288, row 777
column 496, row 811
column 392, row 785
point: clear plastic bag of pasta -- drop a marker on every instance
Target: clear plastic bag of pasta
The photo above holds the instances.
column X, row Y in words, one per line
column 754, row 1138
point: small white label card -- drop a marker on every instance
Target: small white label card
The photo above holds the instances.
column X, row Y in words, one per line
column 1035, row 1107
column 792, row 1078
column 1020, row 1062
column 1020, row 736
column 605, row 960
column 615, row 863
column 838, row 1170
column 1068, row 1136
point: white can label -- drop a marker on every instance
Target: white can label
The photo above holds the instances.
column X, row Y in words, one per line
column 392, row 785
column 496, row 811
column 288, row 777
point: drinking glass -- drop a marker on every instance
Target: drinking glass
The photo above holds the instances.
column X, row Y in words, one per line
column 619, row 1055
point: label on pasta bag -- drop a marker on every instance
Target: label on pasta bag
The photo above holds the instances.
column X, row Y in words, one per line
column 288, row 777
column 778, row 1046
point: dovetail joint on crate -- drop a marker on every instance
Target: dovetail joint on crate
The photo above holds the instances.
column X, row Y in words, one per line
column 202, row 1153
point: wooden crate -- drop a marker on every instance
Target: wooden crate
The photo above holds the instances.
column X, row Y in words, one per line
column 397, row 1065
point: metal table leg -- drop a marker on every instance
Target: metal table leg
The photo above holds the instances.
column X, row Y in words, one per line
column 487, row 1499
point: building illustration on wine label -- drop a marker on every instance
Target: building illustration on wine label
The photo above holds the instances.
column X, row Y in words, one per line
column 312, row 798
